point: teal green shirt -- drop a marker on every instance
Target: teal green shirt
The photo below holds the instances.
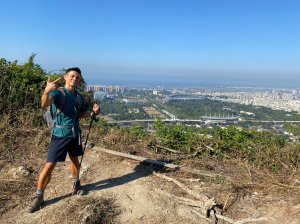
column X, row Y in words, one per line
column 69, row 114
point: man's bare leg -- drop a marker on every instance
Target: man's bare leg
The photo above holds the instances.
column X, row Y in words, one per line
column 44, row 179
column 75, row 170
column 74, row 166
column 45, row 175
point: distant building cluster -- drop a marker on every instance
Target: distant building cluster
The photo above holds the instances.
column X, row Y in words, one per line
column 287, row 100
column 104, row 88
column 156, row 92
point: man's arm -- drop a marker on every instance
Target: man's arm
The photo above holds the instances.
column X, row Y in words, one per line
column 46, row 99
column 96, row 111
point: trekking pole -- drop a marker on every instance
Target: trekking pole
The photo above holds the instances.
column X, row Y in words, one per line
column 87, row 137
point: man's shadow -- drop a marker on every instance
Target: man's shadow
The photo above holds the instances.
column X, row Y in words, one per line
column 140, row 171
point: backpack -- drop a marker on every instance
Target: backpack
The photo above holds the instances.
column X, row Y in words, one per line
column 51, row 117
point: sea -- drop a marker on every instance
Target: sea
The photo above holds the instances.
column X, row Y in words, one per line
column 191, row 82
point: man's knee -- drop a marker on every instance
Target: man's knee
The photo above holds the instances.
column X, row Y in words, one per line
column 74, row 159
column 49, row 166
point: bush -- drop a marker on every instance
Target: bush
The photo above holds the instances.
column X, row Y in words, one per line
column 262, row 149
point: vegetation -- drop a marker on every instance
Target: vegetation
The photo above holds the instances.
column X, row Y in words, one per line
column 24, row 137
column 293, row 128
column 21, row 87
column 195, row 108
column 119, row 110
column 262, row 149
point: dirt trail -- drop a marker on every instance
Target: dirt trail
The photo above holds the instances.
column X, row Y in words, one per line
column 138, row 194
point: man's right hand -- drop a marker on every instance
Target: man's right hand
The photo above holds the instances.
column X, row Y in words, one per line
column 51, row 86
column 46, row 100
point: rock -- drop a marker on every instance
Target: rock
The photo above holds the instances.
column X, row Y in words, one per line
column 20, row 172
column 90, row 145
column 297, row 181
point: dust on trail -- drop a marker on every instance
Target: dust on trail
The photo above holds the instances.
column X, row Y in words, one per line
column 134, row 188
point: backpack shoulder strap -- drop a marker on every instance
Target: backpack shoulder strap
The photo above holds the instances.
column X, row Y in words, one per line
column 61, row 102
column 80, row 103
column 80, row 100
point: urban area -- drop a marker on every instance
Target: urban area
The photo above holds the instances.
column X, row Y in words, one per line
column 256, row 108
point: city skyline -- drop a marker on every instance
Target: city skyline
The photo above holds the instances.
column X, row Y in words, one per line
column 277, row 99
column 190, row 43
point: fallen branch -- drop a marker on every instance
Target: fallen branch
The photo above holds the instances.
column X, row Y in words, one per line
column 166, row 148
column 202, row 172
column 209, row 147
column 249, row 220
column 226, row 201
column 249, row 173
column 12, row 180
column 202, row 216
column 186, row 201
column 191, row 179
column 207, row 202
column 229, row 220
column 194, row 203
column 159, row 163
column 142, row 159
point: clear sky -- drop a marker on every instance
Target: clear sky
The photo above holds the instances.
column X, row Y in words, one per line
column 230, row 42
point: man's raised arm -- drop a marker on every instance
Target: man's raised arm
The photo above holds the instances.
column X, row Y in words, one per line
column 46, row 100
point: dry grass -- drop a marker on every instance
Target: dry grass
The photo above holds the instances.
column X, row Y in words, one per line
column 98, row 211
column 27, row 147
column 21, row 151
column 241, row 177
column 89, row 210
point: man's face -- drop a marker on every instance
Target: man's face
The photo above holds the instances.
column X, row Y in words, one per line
column 72, row 78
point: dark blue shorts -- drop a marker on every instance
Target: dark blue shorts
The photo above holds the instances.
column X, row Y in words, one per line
column 59, row 147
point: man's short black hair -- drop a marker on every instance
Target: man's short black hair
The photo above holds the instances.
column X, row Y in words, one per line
column 76, row 69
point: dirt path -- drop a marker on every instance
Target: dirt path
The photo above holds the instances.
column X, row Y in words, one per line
column 128, row 182
column 139, row 196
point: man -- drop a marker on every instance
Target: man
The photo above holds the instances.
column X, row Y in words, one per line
column 66, row 137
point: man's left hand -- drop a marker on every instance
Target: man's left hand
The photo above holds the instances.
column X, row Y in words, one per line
column 96, row 109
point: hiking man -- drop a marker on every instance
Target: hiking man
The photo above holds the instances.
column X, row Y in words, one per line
column 66, row 133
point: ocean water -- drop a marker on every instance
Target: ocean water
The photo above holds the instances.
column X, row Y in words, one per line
column 190, row 82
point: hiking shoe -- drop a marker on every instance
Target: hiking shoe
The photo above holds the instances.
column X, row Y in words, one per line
column 37, row 202
column 77, row 189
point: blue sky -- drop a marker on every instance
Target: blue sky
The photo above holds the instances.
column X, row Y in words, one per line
column 232, row 42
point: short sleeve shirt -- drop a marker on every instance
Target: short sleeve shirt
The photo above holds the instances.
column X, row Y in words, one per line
column 69, row 114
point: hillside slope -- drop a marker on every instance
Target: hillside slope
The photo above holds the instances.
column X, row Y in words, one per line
column 140, row 196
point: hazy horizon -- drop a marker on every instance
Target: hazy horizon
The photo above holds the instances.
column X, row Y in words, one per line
column 189, row 83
